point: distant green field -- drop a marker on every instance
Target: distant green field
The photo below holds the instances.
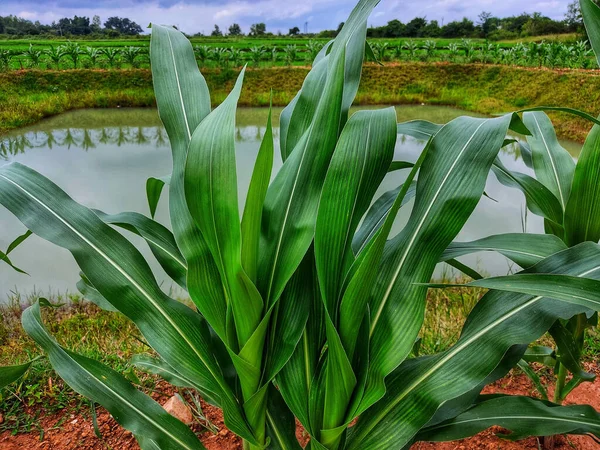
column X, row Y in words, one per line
column 246, row 42
column 241, row 43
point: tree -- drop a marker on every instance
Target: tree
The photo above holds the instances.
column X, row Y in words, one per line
column 96, row 25
column 486, row 23
column 395, row 28
column 235, row 30
column 573, row 17
column 217, row 31
column 123, row 26
column 258, row 29
column 294, row 31
column 416, row 27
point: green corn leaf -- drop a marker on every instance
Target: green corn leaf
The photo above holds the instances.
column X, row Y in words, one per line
column 419, row 129
column 591, row 18
column 4, row 257
column 18, row 241
column 296, row 377
column 568, row 288
column 534, row 377
column 154, row 188
column 582, row 214
column 251, row 219
column 572, row 111
column 183, row 102
column 538, row 197
column 523, row 416
column 526, row 154
column 290, row 207
column 281, row 424
column 89, row 292
column 450, row 185
column 552, row 164
column 156, row 366
column 457, row 405
column 211, row 192
column 14, row 244
column 569, row 353
column 377, row 214
column 118, row 271
column 134, row 410
column 308, row 141
column 463, row 268
column 497, row 322
column 522, row 248
column 363, row 273
column 10, row 374
column 361, row 159
column 399, row 165
column 540, row 354
column 160, row 240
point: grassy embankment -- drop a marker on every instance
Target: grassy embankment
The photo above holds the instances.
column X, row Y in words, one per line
column 28, row 96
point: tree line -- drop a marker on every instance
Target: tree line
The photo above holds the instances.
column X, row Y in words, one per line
column 486, row 26
column 76, row 26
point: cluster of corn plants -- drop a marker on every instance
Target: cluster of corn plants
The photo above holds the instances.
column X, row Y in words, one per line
column 543, row 54
column 308, row 306
column 90, row 57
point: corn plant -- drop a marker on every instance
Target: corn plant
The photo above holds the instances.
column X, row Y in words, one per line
column 307, row 306
column 220, row 56
column 290, row 54
column 257, row 53
column 469, row 48
column 235, row 56
column 411, row 47
column 202, row 53
column 73, row 51
column 34, row 56
column 111, row 54
column 453, row 51
column 130, row 55
column 93, row 53
column 6, row 57
column 380, row 49
column 55, row 55
column 274, row 55
column 430, row 47
column 313, row 48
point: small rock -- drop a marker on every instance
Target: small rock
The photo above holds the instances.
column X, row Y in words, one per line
column 179, row 410
column 73, row 422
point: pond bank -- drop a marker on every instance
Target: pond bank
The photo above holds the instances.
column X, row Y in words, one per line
column 28, row 96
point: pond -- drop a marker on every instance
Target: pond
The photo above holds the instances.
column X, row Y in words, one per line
column 102, row 159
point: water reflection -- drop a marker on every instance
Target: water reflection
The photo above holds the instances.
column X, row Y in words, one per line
column 89, row 138
column 102, row 158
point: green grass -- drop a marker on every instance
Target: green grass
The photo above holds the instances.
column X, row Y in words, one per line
column 28, row 96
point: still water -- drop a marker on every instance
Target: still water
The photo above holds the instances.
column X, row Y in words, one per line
column 102, row 159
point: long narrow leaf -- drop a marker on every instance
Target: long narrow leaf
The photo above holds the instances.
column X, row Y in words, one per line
column 523, row 416
column 134, row 410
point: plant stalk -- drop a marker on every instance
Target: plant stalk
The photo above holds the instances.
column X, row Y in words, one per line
column 560, row 384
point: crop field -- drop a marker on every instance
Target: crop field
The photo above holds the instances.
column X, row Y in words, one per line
column 292, row 52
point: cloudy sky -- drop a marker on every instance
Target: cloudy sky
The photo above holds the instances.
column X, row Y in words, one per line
column 200, row 15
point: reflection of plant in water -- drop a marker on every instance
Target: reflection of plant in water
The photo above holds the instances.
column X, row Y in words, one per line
column 90, row 138
column 87, row 141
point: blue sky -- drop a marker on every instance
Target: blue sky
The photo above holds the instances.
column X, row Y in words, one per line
column 201, row 15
